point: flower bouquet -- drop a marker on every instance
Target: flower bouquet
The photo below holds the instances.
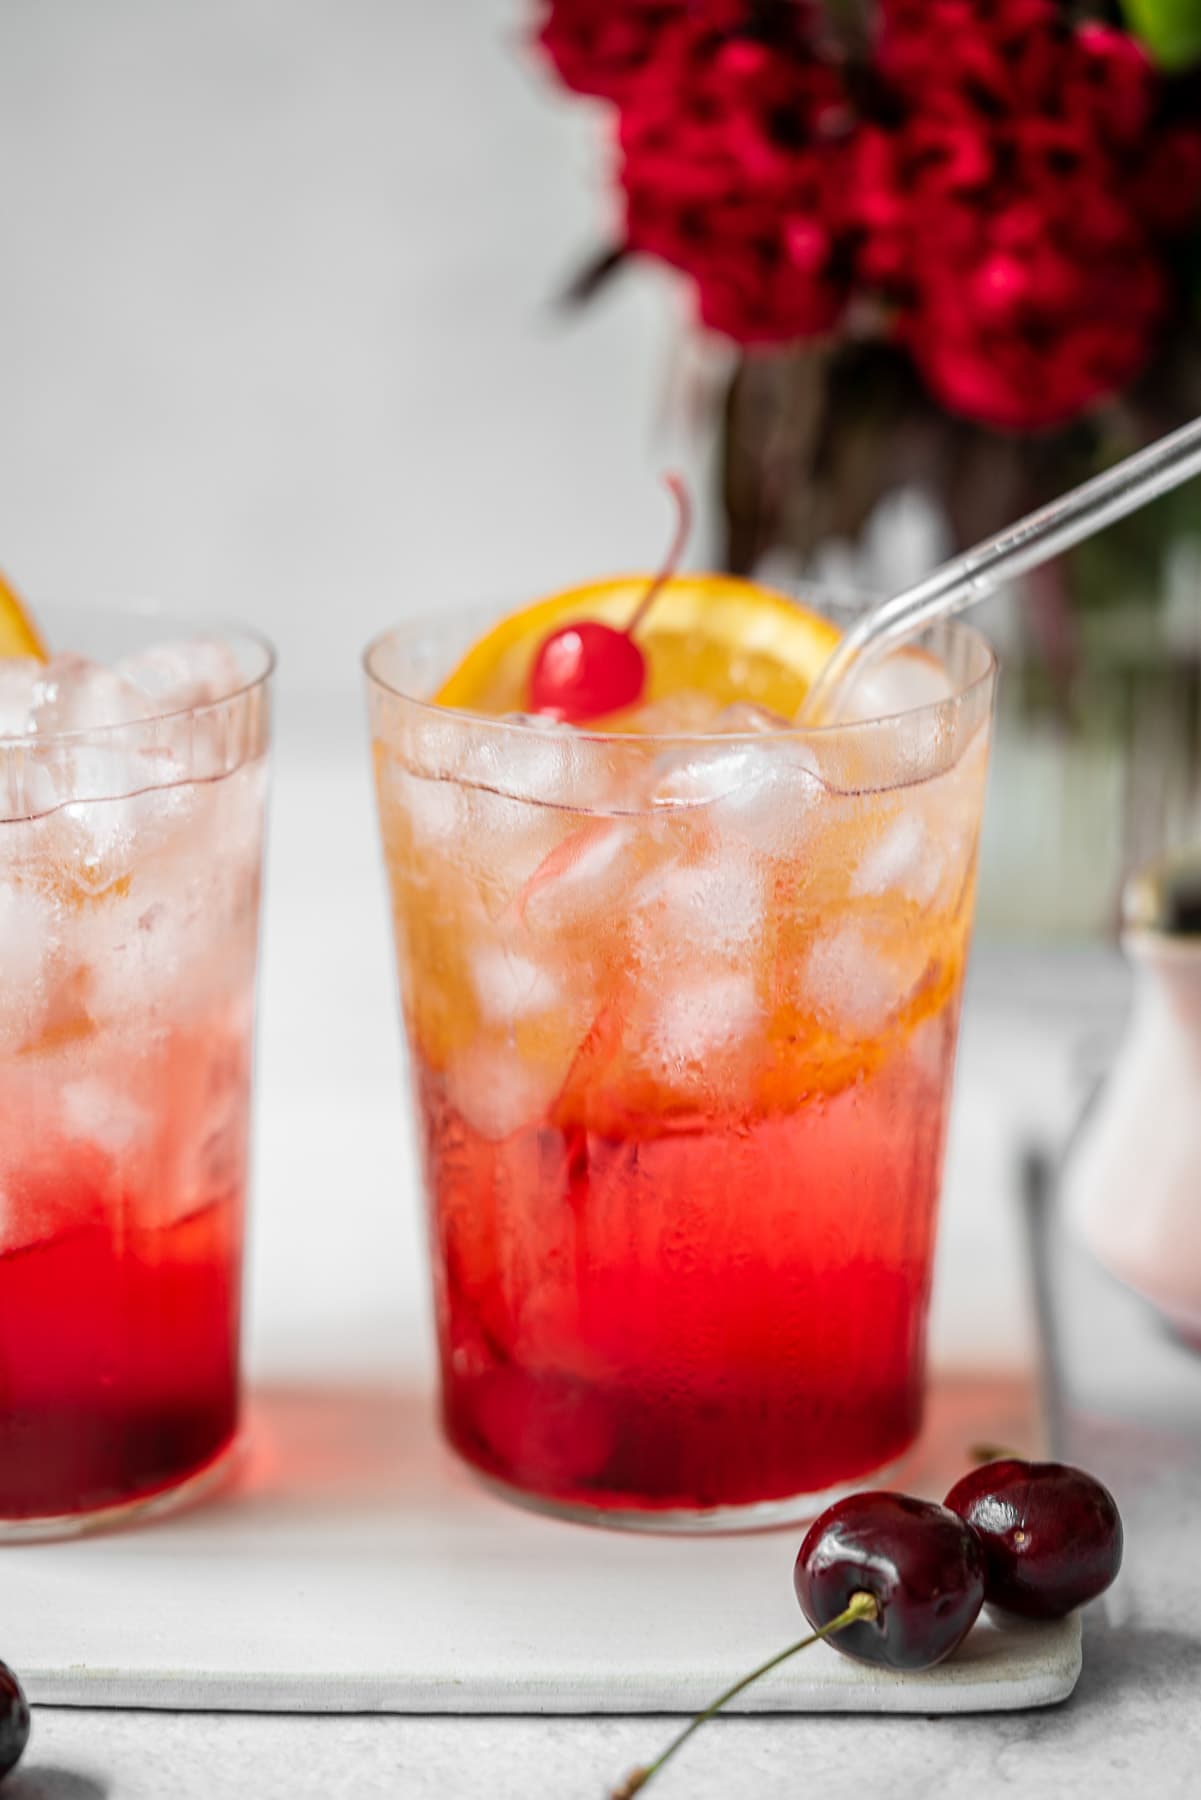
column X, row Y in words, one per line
column 954, row 247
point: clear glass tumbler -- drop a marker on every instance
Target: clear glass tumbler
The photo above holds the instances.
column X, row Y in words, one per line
column 130, row 870
column 681, row 1016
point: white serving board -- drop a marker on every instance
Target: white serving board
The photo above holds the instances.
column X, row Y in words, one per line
column 352, row 1566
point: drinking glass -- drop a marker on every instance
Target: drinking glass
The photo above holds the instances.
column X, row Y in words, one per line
column 130, row 860
column 681, row 1015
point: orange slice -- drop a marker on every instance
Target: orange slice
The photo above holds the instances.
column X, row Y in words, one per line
column 708, row 634
column 18, row 634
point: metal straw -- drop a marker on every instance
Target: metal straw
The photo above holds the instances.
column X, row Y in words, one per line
column 1021, row 547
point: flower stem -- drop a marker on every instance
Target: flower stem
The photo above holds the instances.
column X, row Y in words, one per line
column 860, row 1606
column 679, row 493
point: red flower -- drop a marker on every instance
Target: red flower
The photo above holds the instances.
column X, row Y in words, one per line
column 1011, row 209
column 600, row 46
column 1007, row 185
column 1041, row 329
column 734, row 145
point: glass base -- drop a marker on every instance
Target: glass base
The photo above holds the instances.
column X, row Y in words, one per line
column 714, row 1521
column 199, row 1486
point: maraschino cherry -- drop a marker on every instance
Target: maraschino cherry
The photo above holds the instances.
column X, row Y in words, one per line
column 1051, row 1535
column 586, row 669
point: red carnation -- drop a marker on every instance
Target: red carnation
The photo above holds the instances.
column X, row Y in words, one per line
column 600, row 46
column 1012, row 209
column 734, row 146
column 1038, row 318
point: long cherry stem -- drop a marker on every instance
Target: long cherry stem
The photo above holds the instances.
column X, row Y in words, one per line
column 860, row 1606
column 679, row 493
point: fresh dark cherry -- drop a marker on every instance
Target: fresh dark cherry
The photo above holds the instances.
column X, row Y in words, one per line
column 585, row 668
column 1051, row 1535
column 883, row 1578
column 918, row 1561
column 14, row 1721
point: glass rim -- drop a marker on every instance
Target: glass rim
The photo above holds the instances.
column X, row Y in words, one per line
column 149, row 614
column 426, row 623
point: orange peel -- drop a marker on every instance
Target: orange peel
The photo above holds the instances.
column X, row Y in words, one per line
column 19, row 636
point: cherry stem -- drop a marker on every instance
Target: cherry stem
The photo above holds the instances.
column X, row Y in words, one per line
column 676, row 487
column 860, row 1606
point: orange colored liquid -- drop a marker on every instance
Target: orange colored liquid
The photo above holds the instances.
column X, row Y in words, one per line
column 724, row 1314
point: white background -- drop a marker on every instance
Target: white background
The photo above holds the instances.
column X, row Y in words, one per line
column 277, row 324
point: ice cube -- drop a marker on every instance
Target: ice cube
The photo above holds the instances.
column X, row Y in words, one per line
column 141, row 944
column 585, row 876
column 73, row 694
column 693, row 1021
column 433, row 809
column 188, row 673
column 903, row 682
column 708, row 775
column 95, row 843
column 19, row 676
column 102, row 1115
column 547, row 762
column 428, row 740
column 906, row 859
column 742, row 718
column 534, row 765
column 774, row 812
column 498, row 1091
column 97, row 760
column 509, row 986
column 503, row 842
column 701, row 908
column 858, row 978
column 760, row 794
column 109, row 771
column 680, row 714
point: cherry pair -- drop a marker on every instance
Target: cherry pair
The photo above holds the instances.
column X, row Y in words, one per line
column 891, row 1580
column 1035, row 1539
